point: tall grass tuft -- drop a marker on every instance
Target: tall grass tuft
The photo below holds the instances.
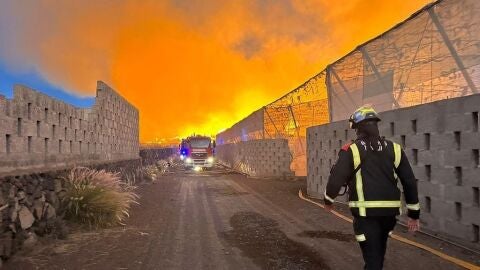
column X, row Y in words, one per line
column 97, row 198
column 150, row 173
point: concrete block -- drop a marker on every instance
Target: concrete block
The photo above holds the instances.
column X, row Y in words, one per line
column 445, row 176
column 443, row 209
column 7, row 126
column 429, row 221
column 431, row 189
column 434, row 158
column 471, row 215
column 29, row 128
column 470, row 104
column 471, row 140
column 38, row 145
column 460, row 158
column 457, row 229
column 444, row 141
column 458, row 122
column 416, row 141
column 460, row 194
column 18, row 144
column 427, row 123
column 471, row 177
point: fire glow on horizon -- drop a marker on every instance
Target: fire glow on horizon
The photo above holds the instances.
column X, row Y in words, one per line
column 189, row 66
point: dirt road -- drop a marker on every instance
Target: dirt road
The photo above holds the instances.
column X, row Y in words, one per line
column 221, row 220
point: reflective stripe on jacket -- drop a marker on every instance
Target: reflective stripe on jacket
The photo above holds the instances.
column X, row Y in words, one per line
column 374, row 187
column 363, row 204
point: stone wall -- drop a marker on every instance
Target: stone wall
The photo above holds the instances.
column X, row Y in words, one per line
column 258, row 158
column 442, row 143
column 31, row 205
column 39, row 133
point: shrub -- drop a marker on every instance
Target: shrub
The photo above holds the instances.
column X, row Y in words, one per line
column 97, row 198
column 162, row 165
column 150, row 173
column 130, row 177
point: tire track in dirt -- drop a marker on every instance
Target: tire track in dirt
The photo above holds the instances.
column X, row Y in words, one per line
column 161, row 233
column 223, row 203
column 220, row 250
column 291, row 225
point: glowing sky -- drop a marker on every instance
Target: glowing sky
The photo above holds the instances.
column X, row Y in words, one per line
column 187, row 65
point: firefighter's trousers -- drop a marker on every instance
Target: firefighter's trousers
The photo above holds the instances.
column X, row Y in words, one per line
column 372, row 235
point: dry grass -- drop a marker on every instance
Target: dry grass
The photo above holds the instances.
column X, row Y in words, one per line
column 162, row 165
column 97, row 198
column 150, row 173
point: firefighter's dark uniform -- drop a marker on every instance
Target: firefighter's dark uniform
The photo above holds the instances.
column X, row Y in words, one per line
column 374, row 197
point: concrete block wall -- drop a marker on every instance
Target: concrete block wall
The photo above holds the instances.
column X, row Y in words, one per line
column 257, row 158
column 441, row 141
column 323, row 144
column 38, row 132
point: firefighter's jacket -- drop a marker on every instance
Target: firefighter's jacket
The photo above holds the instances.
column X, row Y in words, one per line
column 373, row 190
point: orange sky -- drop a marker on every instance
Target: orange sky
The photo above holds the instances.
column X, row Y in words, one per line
column 190, row 65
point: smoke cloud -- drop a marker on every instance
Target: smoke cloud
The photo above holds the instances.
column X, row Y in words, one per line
column 189, row 66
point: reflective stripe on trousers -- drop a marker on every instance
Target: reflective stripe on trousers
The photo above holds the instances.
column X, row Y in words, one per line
column 360, row 237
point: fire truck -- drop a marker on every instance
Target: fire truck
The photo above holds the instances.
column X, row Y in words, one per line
column 197, row 152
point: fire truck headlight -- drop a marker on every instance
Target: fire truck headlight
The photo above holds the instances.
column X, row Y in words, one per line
column 182, row 157
column 188, row 160
column 210, row 160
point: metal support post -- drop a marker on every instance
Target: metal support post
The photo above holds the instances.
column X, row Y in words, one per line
column 399, row 96
column 263, row 123
column 296, row 127
column 452, row 50
column 366, row 56
column 273, row 123
column 330, row 90
column 331, row 93
column 334, row 73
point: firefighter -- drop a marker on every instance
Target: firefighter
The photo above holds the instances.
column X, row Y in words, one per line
column 371, row 167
